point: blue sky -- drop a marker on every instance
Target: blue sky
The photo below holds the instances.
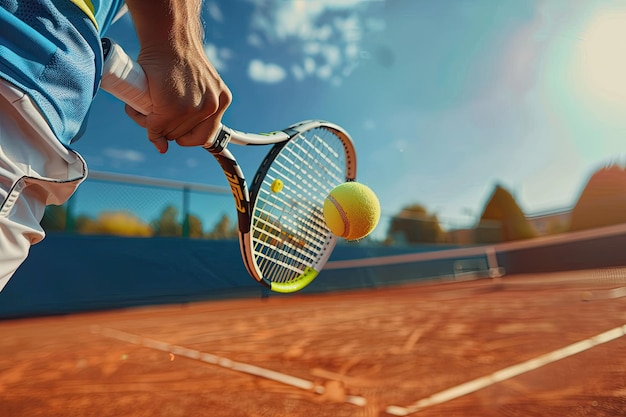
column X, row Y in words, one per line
column 444, row 99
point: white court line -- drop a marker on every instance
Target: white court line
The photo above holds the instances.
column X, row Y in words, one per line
column 507, row 373
column 220, row 361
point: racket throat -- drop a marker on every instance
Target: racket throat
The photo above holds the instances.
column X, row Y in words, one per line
column 220, row 141
column 237, row 183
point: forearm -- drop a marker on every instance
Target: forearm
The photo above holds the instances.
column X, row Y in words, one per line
column 167, row 25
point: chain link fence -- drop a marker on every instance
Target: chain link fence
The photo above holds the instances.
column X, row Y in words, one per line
column 123, row 205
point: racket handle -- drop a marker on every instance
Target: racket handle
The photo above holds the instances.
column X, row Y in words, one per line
column 124, row 78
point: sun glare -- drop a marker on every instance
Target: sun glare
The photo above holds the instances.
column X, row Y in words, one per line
column 602, row 56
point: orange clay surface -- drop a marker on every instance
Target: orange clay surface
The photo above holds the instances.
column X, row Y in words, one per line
column 343, row 354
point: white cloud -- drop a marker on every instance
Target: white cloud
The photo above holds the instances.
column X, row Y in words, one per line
column 349, row 28
column 255, row 40
column 127, row 155
column 299, row 18
column 309, row 65
column 298, row 72
column 325, row 72
column 218, row 56
column 266, row 72
column 332, row 54
column 214, row 11
column 321, row 34
column 311, row 48
column 191, row 162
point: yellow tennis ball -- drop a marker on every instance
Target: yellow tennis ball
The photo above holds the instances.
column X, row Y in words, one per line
column 351, row 211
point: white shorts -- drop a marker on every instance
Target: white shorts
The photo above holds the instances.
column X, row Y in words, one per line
column 35, row 170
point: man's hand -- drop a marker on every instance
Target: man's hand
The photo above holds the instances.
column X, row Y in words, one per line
column 188, row 99
column 188, row 95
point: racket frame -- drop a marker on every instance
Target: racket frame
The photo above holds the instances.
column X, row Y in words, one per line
column 241, row 193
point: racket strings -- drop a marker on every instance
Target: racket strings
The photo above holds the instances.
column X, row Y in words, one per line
column 297, row 181
column 296, row 247
column 314, row 230
column 288, row 229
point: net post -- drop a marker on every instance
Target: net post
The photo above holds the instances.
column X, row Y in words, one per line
column 495, row 271
column 70, row 224
column 185, row 228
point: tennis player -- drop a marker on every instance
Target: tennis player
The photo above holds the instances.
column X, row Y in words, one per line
column 50, row 66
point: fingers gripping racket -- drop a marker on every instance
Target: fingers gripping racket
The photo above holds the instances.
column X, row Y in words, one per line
column 282, row 234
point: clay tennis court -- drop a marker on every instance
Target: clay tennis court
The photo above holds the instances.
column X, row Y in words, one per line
column 526, row 345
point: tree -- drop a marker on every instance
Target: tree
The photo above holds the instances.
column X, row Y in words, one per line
column 117, row 223
column 415, row 225
column 167, row 224
column 193, row 225
column 602, row 201
column 502, row 220
column 223, row 229
column 85, row 224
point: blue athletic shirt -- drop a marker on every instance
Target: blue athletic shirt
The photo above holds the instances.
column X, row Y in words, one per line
column 51, row 50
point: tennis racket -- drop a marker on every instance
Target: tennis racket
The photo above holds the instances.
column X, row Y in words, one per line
column 282, row 234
